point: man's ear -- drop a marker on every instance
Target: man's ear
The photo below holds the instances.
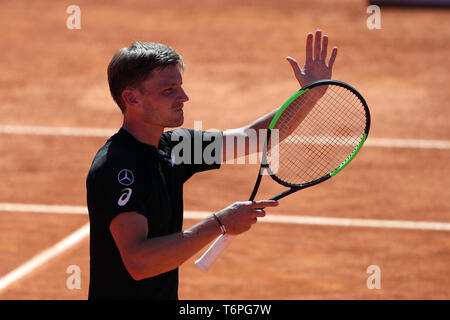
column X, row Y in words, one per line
column 131, row 97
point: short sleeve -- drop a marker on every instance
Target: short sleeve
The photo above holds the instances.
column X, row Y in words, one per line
column 119, row 187
column 194, row 151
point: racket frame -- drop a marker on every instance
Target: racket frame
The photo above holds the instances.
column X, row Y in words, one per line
column 297, row 187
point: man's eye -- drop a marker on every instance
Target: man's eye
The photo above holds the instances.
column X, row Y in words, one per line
column 167, row 91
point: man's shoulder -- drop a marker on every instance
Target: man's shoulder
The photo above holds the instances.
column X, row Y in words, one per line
column 173, row 137
column 107, row 153
column 115, row 154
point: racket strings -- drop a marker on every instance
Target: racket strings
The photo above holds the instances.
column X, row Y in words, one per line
column 332, row 121
column 320, row 153
column 328, row 142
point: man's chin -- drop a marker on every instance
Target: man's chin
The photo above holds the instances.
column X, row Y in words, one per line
column 176, row 123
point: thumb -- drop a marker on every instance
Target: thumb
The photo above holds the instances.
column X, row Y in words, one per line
column 295, row 68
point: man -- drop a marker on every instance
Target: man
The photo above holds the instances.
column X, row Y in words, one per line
column 134, row 186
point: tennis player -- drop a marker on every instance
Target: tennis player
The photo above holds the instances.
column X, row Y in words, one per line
column 135, row 187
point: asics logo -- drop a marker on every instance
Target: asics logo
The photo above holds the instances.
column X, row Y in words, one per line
column 124, row 197
column 125, row 177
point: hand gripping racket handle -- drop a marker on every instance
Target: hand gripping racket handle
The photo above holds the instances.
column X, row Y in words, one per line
column 208, row 258
column 214, row 251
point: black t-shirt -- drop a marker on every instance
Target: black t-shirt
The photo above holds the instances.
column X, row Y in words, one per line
column 127, row 175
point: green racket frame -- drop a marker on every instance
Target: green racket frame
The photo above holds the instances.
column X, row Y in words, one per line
column 297, row 187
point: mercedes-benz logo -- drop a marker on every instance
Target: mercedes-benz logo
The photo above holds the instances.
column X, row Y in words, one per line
column 125, row 177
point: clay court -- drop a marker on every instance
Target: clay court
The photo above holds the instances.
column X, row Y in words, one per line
column 390, row 208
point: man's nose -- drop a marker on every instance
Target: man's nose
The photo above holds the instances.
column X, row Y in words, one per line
column 183, row 96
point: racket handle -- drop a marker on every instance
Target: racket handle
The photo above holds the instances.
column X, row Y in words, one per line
column 213, row 252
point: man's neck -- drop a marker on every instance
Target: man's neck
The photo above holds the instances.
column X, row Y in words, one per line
column 144, row 133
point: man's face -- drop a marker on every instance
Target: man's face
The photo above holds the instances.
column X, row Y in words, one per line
column 163, row 97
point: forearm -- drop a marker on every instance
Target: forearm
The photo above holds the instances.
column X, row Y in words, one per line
column 246, row 140
column 262, row 122
column 295, row 113
column 250, row 139
column 162, row 254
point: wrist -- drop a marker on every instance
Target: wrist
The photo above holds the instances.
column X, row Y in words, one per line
column 221, row 225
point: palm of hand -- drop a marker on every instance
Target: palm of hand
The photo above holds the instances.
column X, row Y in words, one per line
column 315, row 67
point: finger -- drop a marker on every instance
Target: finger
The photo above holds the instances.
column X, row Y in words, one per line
column 323, row 53
column 295, row 67
column 309, row 47
column 317, row 44
column 332, row 57
column 263, row 204
column 259, row 213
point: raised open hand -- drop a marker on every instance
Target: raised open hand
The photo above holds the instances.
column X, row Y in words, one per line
column 315, row 67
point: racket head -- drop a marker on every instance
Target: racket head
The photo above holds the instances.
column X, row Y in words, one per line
column 334, row 124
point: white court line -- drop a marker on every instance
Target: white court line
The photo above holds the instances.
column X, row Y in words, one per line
column 83, row 232
column 44, row 257
column 407, row 143
column 106, row 133
column 338, row 222
column 270, row 218
column 43, row 208
column 57, row 131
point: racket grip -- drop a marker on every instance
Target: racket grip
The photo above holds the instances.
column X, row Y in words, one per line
column 213, row 252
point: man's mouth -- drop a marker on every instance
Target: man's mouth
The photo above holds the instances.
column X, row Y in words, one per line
column 178, row 108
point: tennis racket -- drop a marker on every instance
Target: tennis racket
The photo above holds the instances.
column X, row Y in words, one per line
column 319, row 130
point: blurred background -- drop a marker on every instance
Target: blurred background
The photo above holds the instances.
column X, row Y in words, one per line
column 54, row 78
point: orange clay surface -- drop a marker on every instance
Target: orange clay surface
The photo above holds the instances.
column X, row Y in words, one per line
column 235, row 72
